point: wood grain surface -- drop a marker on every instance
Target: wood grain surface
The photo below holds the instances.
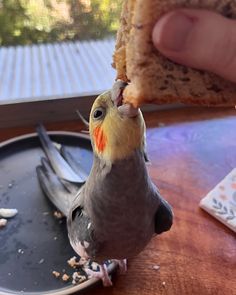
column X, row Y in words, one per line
column 191, row 150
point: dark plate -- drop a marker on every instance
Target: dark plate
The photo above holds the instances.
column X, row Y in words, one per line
column 34, row 243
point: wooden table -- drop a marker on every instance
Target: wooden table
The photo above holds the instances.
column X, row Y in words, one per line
column 191, row 150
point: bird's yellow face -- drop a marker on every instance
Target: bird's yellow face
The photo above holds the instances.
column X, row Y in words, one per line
column 115, row 134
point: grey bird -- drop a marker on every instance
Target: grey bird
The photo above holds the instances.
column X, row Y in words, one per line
column 118, row 209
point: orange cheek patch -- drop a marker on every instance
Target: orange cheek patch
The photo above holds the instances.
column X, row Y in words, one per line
column 100, row 139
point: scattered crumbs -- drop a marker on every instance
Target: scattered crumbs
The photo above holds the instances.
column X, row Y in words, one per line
column 65, row 277
column 56, row 274
column 73, row 262
column 20, row 251
column 58, row 214
column 156, row 267
column 163, row 284
column 41, row 261
column 78, row 278
column 3, row 222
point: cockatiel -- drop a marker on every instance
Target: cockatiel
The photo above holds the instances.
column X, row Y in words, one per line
column 118, row 209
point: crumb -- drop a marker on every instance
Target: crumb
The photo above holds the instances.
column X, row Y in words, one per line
column 8, row 213
column 56, row 274
column 3, row 222
column 72, row 262
column 156, row 267
column 163, row 284
column 55, row 238
column 77, row 278
column 58, row 214
column 65, row 277
column 41, row 261
column 45, row 213
column 20, row 251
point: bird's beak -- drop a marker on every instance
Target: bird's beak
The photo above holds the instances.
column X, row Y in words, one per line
column 117, row 92
column 126, row 110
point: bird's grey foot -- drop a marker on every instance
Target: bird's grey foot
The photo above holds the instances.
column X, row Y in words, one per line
column 122, row 263
column 101, row 274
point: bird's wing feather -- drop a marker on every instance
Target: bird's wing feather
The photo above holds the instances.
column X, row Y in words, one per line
column 58, row 163
column 74, row 164
column 54, row 189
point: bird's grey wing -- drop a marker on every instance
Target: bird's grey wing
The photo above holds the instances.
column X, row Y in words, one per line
column 56, row 190
column 81, row 232
column 58, row 163
column 163, row 217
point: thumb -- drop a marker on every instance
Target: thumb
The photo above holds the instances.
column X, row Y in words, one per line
column 200, row 39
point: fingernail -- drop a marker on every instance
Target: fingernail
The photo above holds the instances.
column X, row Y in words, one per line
column 172, row 31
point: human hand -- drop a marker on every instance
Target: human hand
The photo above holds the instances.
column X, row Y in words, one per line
column 200, row 39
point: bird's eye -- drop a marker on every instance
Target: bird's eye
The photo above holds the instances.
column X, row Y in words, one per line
column 99, row 113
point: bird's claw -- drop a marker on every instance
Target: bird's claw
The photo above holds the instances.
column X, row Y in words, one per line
column 102, row 274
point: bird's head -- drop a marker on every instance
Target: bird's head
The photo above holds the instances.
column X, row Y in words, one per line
column 116, row 130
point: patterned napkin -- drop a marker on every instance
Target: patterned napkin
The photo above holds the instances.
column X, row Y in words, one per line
column 221, row 201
